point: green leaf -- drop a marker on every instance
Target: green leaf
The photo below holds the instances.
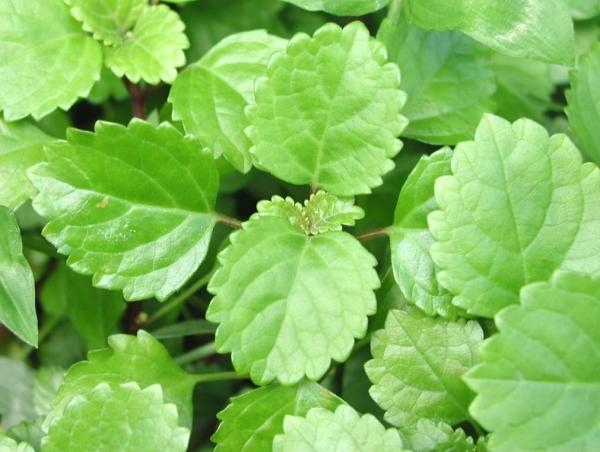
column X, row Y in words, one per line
column 124, row 418
column 48, row 60
column 538, row 386
column 16, row 392
column 540, row 30
column 153, row 50
column 146, row 228
column 210, row 96
column 10, row 445
column 209, row 21
column 322, row 212
column 428, row 436
column 95, row 313
column 46, row 384
column 288, row 303
column 109, row 86
column 417, row 366
column 253, row 419
column 436, row 67
column 525, row 88
column 341, row 7
column 17, row 291
column 29, row 432
column 410, row 239
column 107, row 20
column 322, row 430
column 313, row 95
column 583, row 108
column 21, row 146
column 140, row 359
column 518, row 206
column 584, row 9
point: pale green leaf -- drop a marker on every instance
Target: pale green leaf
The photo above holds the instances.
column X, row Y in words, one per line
column 48, row 61
column 210, row 96
column 525, row 88
column 16, row 392
column 428, row 436
column 328, row 112
column 341, row 7
column 131, row 205
column 109, row 86
column 322, row 212
column 209, row 21
column 410, row 239
column 417, row 366
column 21, row 146
column 17, row 291
column 584, row 9
column 107, row 20
column 140, row 359
column 436, row 67
column 10, row 445
column 46, row 384
column 583, row 107
column 29, row 432
column 288, row 303
column 518, row 206
column 540, row 30
column 539, row 386
column 124, row 418
column 95, row 313
column 153, row 50
column 253, row 419
column 321, row 430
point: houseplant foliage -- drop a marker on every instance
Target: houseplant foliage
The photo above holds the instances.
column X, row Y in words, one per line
column 299, row 225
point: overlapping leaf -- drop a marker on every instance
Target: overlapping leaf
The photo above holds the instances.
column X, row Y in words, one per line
column 411, row 240
column 345, row 430
column 584, row 9
column 426, row 436
column 417, row 367
column 20, row 148
column 17, row 291
column 48, row 61
column 538, row 386
column 288, row 303
column 131, row 205
column 341, row 7
column 124, row 418
column 107, row 20
column 518, row 206
column 436, row 67
column 140, row 359
column 583, row 105
column 210, row 96
column 328, row 112
column 541, row 30
column 252, row 420
column 153, row 50
column 8, row 444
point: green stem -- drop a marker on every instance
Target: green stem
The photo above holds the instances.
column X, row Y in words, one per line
column 395, row 11
column 220, row 376
column 196, row 354
column 229, row 221
column 178, row 299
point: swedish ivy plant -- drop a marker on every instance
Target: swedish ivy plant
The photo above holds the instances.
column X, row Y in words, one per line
column 299, row 225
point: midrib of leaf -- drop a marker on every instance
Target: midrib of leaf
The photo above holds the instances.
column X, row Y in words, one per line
column 333, row 99
column 423, row 355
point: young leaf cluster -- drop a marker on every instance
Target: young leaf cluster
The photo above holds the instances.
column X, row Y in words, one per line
column 190, row 197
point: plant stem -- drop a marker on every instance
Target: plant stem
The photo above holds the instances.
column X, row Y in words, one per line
column 394, row 11
column 219, row 376
column 196, row 354
column 374, row 234
column 138, row 98
column 229, row 221
column 178, row 299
